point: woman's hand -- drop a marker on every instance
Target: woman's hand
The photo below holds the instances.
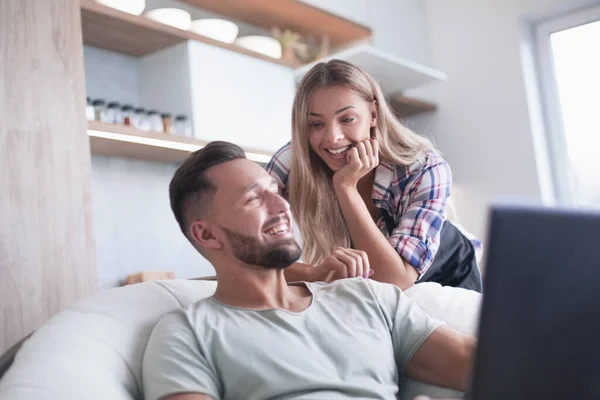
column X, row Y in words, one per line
column 342, row 263
column 361, row 159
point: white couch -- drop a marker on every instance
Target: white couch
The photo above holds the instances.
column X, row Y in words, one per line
column 93, row 350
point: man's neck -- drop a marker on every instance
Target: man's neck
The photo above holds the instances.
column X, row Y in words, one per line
column 259, row 288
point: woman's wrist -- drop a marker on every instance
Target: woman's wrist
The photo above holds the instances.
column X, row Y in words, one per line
column 344, row 187
column 299, row 271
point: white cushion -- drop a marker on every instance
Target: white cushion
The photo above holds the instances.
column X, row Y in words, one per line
column 93, row 350
column 459, row 308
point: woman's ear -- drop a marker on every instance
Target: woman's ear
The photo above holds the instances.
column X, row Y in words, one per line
column 374, row 115
column 202, row 234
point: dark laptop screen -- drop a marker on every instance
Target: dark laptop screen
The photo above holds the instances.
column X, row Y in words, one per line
column 539, row 333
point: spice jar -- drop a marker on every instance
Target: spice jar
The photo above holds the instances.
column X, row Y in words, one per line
column 167, row 123
column 154, row 121
column 182, row 126
column 90, row 113
column 140, row 120
column 114, row 113
column 127, row 115
column 99, row 110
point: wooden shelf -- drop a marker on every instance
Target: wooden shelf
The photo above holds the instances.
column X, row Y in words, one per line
column 118, row 31
column 407, row 106
column 394, row 74
column 289, row 14
column 134, row 35
column 125, row 141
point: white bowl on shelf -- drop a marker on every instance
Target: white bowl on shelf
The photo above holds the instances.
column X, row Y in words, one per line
column 134, row 7
column 174, row 17
column 261, row 44
column 218, row 29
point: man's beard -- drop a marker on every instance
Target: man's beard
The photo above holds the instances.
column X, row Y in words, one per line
column 249, row 250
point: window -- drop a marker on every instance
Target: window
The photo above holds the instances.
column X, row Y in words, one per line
column 569, row 66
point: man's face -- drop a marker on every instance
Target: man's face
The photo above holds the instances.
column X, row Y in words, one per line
column 250, row 217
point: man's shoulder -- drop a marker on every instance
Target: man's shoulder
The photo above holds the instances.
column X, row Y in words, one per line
column 187, row 315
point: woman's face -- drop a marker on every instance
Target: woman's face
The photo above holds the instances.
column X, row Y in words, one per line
column 338, row 119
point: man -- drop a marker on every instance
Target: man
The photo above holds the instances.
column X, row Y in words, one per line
column 260, row 338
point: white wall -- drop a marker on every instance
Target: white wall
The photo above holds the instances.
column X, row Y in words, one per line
column 134, row 226
column 164, row 78
column 399, row 26
column 483, row 126
column 240, row 99
column 111, row 76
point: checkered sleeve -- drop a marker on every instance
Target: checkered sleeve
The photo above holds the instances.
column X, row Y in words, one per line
column 279, row 167
column 417, row 237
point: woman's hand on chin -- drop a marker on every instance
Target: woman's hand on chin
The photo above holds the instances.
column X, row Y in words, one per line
column 361, row 160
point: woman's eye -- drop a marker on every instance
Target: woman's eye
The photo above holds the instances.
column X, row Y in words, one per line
column 348, row 120
column 316, row 124
column 253, row 198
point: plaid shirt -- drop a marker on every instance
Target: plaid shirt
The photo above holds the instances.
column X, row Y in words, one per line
column 412, row 201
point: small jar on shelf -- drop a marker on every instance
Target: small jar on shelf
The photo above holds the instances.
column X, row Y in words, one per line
column 182, row 126
column 140, row 120
column 154, row 121
column 114, row 113
column 99, row 110
column 128, row 115
column 167, row 122
column 90, row 113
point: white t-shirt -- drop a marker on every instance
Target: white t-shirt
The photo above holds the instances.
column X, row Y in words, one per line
column 350, row 343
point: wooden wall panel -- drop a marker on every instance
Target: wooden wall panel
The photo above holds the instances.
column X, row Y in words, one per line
column 47, row 254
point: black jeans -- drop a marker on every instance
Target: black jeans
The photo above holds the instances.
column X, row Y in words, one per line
column 455, row 263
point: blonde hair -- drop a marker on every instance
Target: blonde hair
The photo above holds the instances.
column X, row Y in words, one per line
column 311, row 193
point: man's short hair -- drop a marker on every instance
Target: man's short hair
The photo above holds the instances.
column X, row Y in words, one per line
column 190, row 191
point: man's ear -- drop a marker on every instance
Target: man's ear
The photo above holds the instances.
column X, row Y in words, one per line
column 203, row 235
column 374, row 115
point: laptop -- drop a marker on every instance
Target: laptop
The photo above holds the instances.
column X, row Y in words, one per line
column 539, row 333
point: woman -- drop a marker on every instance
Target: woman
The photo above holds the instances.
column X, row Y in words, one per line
column 356, row 177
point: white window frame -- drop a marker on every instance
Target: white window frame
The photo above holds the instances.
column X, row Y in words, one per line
column 555, row 139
